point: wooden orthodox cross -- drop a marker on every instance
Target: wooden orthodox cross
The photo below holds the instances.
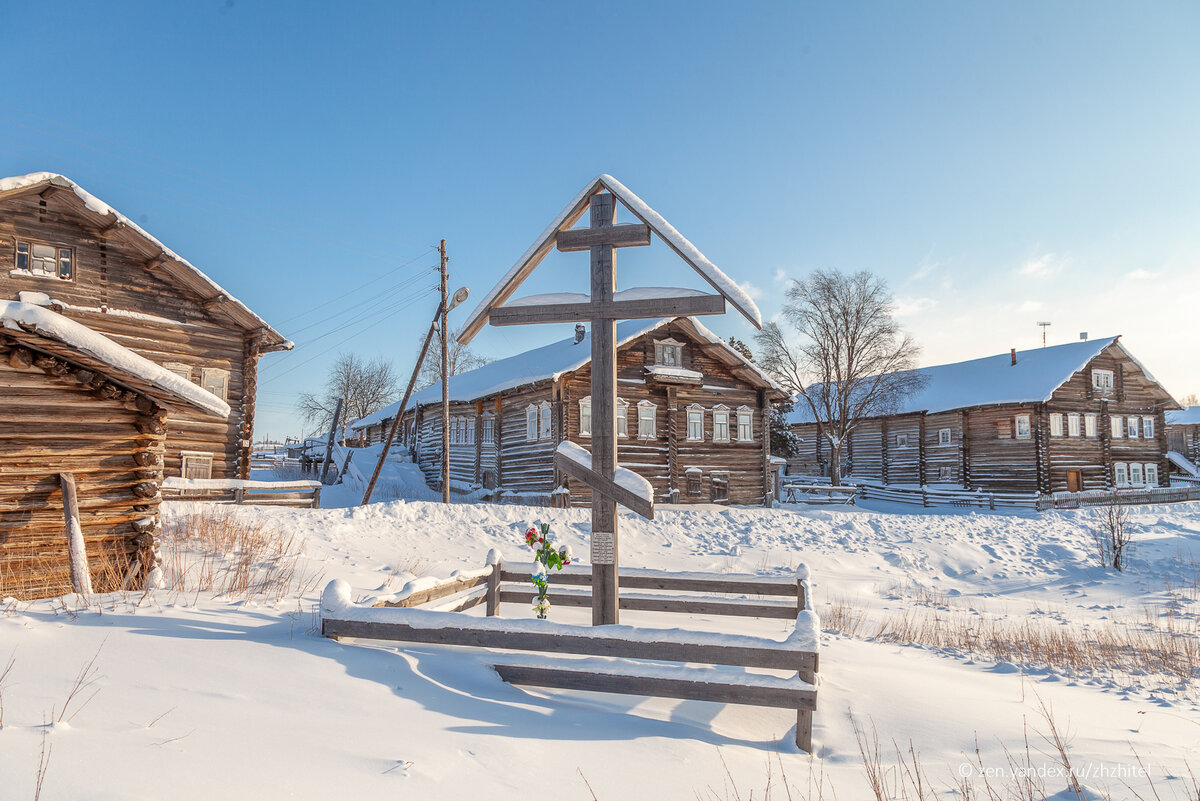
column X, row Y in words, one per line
column 602, row 309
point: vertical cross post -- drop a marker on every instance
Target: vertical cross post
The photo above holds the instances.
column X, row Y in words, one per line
column 604, row 422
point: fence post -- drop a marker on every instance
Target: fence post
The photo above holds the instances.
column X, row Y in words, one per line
column 493, row 583
column 991, row 501
column 801, row 587
column 81, row 577
column 316, row 501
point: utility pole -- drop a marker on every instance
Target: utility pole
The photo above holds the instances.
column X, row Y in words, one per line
column 445, row 378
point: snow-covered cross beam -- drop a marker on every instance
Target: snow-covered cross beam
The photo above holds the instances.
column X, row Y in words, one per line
column 603, row 307
column 626, row 487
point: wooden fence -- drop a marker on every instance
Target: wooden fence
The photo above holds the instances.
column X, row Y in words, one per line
column 717, row 664
column 301, row 494
column 1123, row 497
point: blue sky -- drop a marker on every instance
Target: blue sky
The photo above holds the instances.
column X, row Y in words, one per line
column 998, row 164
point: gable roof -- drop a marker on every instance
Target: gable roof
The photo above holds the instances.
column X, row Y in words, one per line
column 49, row 331
column 551, row 361
column 996, row 380
column 182, row 271
column 570, row 215
column 1187, row 416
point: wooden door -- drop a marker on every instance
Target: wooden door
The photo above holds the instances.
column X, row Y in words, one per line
column 1074, row 481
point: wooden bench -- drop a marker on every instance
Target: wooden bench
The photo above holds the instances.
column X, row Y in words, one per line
column 699, row 666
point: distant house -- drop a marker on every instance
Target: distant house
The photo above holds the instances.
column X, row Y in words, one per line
column 64, row 249
column 692, row 418
column 1080, row 416
column 1183, row 440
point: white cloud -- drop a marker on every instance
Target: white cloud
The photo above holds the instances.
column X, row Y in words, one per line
column 911, row 307
column 1042, row 266
column 750, row 289
column 781, row 276
column 1141, row 275
column 1031, row 306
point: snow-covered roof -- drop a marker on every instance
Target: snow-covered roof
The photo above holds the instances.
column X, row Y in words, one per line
column 27, row 318
column 231, row 306
column 547, row 363
column 1187, row 416
column 504, row 289
column 994, row 379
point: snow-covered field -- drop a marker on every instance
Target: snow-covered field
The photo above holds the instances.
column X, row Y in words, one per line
column 198, row 696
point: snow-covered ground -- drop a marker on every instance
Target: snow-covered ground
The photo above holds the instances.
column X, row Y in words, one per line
column 211, row 697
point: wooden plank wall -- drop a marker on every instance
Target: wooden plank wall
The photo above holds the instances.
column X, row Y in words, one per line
column 112, row 275
column 54, row 424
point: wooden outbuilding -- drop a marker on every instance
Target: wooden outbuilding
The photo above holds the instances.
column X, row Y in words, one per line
column 64, row 249
column 1183, row 440
column 75, row 402
column 693, row 418
column 1067, row 418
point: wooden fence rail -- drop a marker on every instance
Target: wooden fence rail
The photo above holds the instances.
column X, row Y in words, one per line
column 300, row 494
column 722, row 659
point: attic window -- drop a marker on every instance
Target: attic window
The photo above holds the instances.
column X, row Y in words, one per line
column 215, row 381
column 45, row 261
column 668, row 353
column 1102, row 380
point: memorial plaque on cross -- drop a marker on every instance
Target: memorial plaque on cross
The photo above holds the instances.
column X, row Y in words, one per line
column 602, row 308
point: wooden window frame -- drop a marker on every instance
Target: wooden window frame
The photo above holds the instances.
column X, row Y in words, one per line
column 1147, row 427
column 694, row 414
column 1133, row 429
column 723, row 410
column 1150, row 468
column 694, row 481
column 945, row 473
column 745, row 417
column 585, row 414
column 622, row 418
column 901, row 439
column 1091, row 425
column 1074, row 429
column 531, row 423
column 187, row 458
column 223, row 374
column 1017, row 418
column 1137, row 477
column 545, row 421
column 1098, row 384
column 1120, row 474
column 489, row 430
column 652, row 433
column 1056, row 424
column 945, row 436
column 719, row 479
column 1116, row 426
column 180, row 369
column 58, row 249
column 663, row 346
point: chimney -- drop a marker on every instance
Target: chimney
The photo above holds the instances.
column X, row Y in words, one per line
column 1014, row 357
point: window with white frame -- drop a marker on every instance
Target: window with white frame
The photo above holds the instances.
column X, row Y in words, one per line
column 215, row 381
column 622, row 417
column 1116, row 426
column 1073, row 425
column 1131, row 425
column 720, row 423
column 489, row 430
column 180, row 369
column 1135, row 474
column 585, row 416
column 1023, row 429
column 646, row 413
column 544, row 428
column 1148, row 427
column 45, row 261
column 1151, row 474
column 945, row 473
column 902, row 440
column 668, row 353
column 745, row 424
column 1089, row 425
column 1120, row 474
column 945, row 436
column 1102, row 380
column 194, row 464
column 531, row 423
column 695, row 423
column 1056, row 425
column 469, row 430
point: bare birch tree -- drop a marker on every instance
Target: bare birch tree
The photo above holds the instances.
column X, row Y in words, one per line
column 462, row 359
column 366, row 386
column 848, row 358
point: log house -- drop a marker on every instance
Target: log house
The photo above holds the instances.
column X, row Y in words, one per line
column 1081, row 416
column 695, row 417
column 63, row 248
column 1183, row 438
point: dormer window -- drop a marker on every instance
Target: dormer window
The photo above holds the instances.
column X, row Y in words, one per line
column 668, row 353
column 45, row 261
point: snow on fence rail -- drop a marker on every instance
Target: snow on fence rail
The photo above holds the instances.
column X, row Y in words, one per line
column 303, row 494
column 723, row 658
column 1124, row 497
